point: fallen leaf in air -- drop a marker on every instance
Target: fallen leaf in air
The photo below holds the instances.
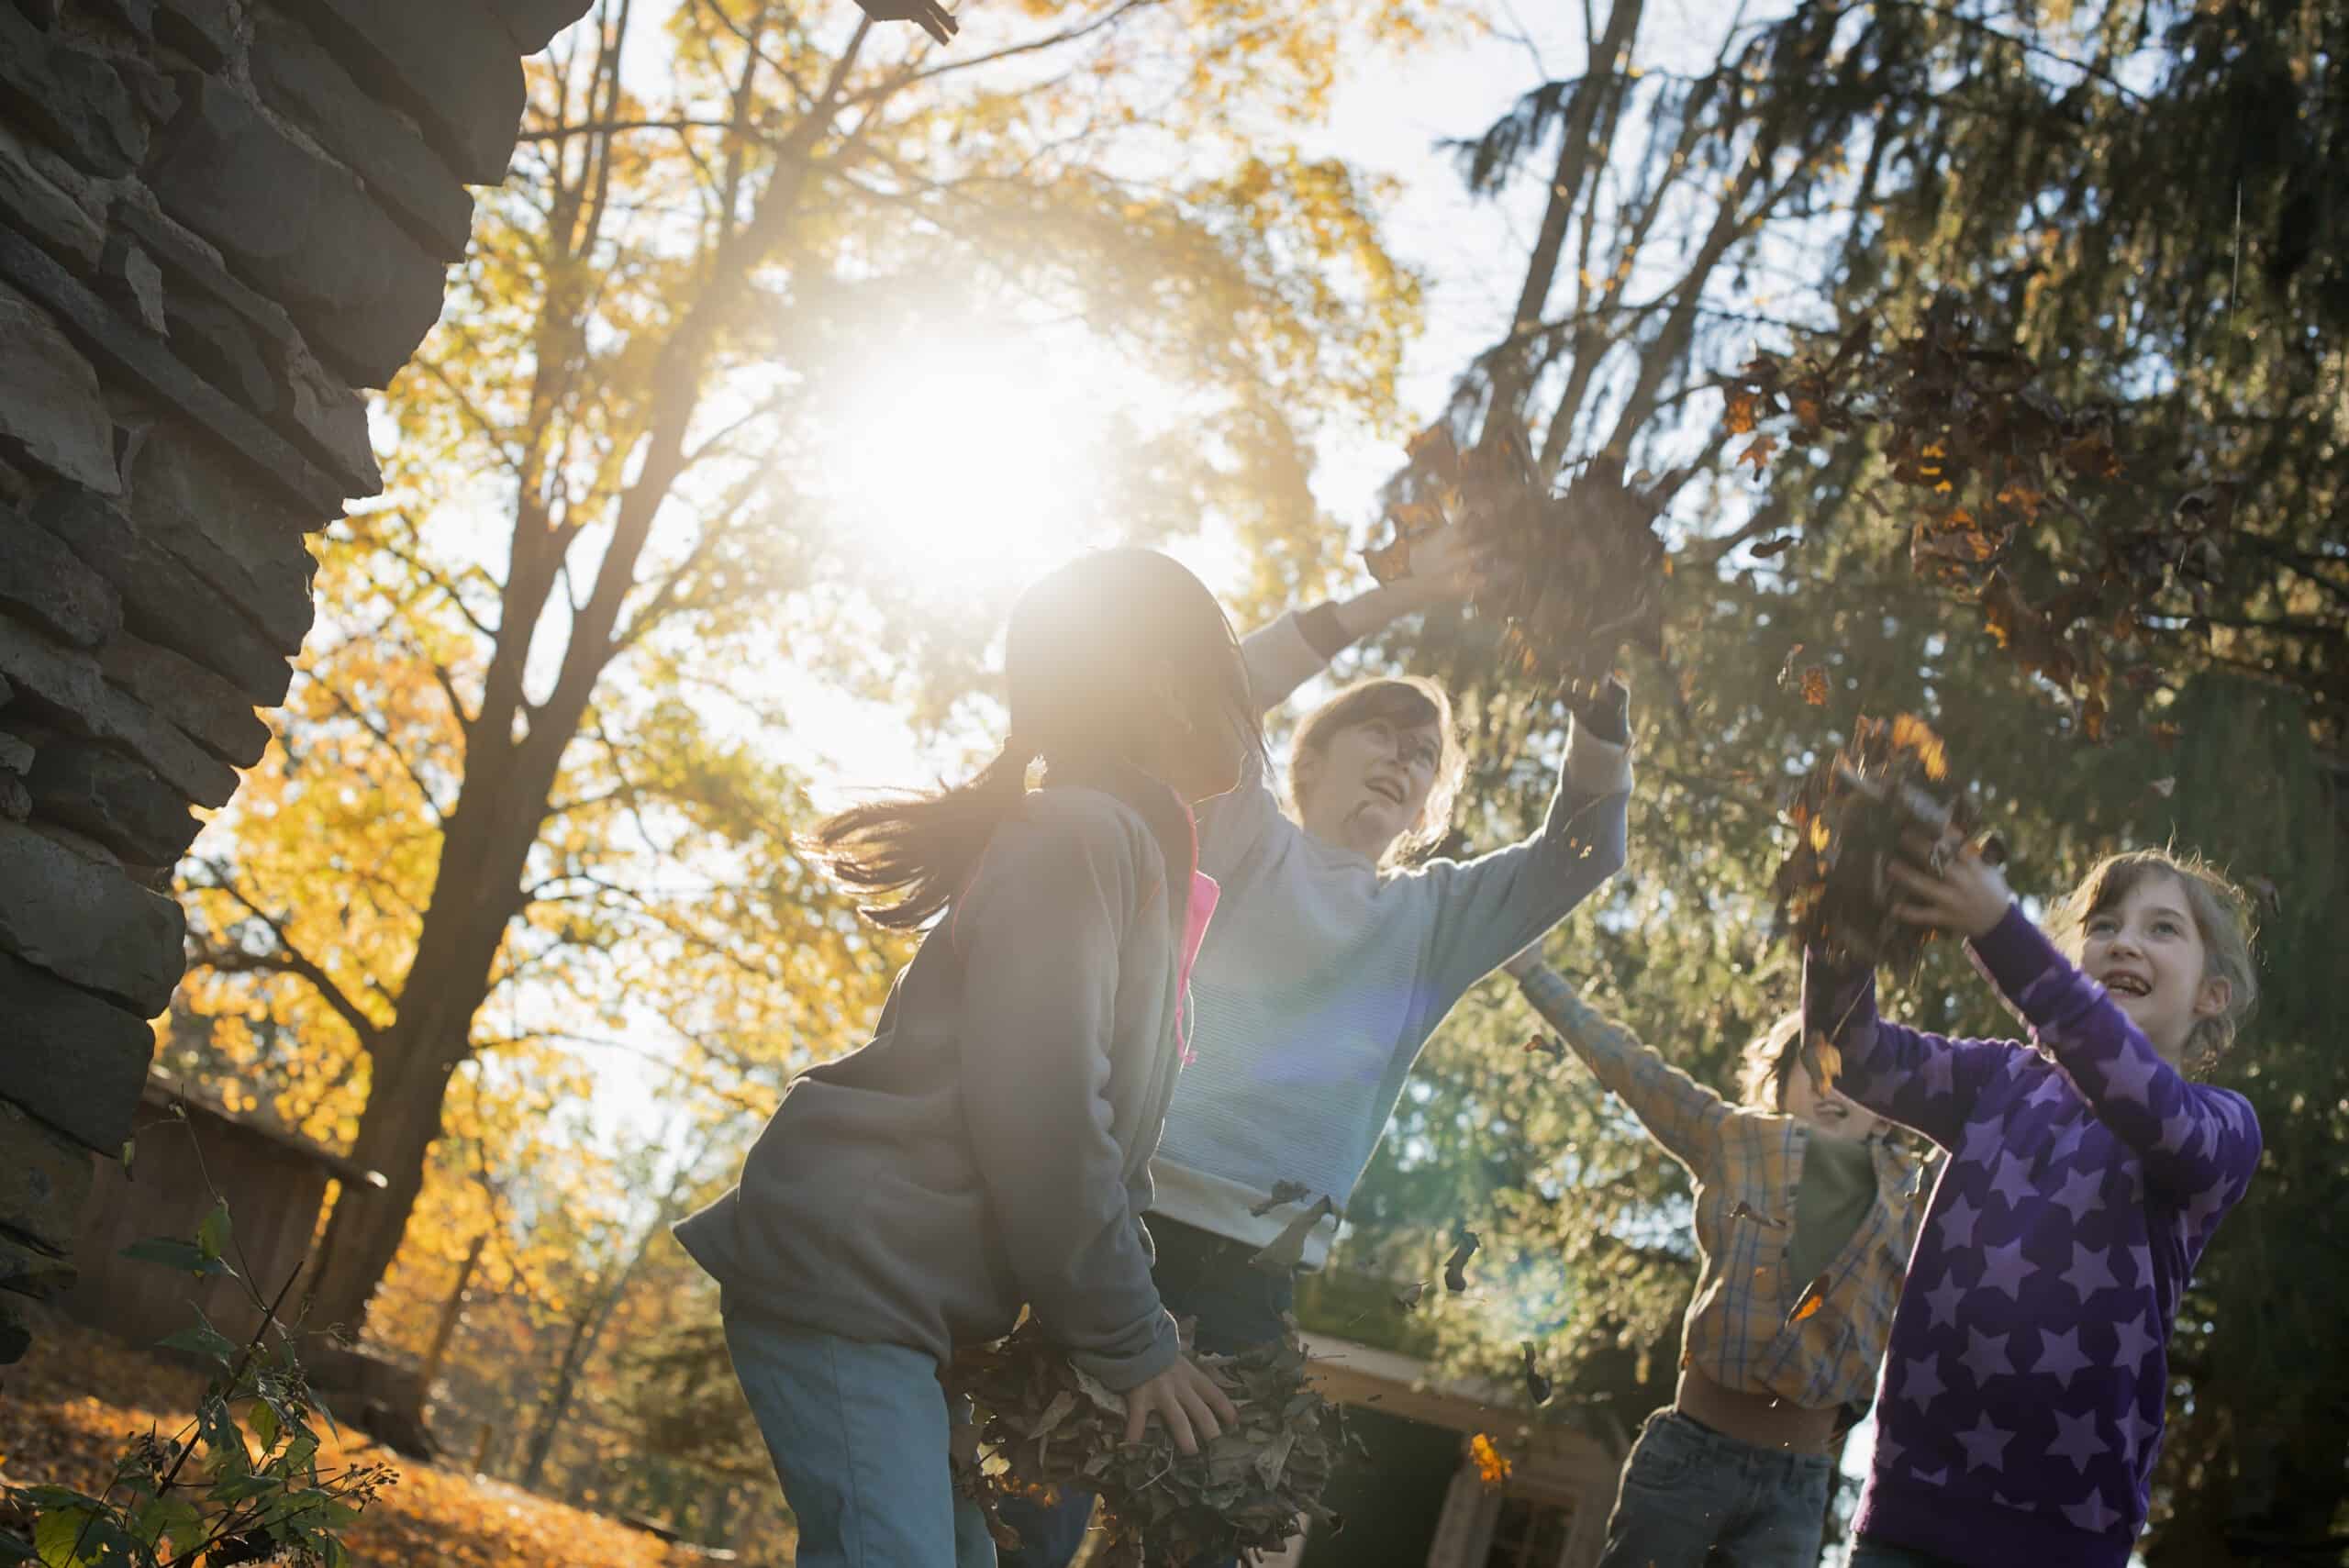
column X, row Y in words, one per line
column 1287, row 1251
column 1456, row 1277
column 1537, row 1386
column 1283, row 1192
column 1492, row 1467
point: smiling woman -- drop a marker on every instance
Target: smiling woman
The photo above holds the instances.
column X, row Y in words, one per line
column 973, row 460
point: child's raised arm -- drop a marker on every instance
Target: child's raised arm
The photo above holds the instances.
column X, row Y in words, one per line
column 1679, row 1113
column 1041, row 930
column 1926, row 1082
column 1494, row 904
column 2199, row 1144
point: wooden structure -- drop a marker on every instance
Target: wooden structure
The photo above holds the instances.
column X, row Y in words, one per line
column 1429, row 1509
column 187, row 1149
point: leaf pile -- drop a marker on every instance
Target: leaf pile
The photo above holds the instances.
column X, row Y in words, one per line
column 1042, row 1425
column 1985, row 459
column 79, row 1398
column 1835, row 890
column 1574, row 576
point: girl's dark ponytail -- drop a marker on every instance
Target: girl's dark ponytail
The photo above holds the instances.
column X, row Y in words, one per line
column 1104, row 661
column 922, row 847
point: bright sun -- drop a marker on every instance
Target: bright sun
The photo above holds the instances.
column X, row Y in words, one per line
column 971, row 462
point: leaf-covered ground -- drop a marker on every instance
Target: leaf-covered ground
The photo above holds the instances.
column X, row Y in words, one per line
column 65, row 1409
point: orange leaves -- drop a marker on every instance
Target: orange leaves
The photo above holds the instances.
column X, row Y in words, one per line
column 1738, row 417
column 1758, row 451
column 1853, row 814
column 1808, row 680
column 1910, row 733
column 1493, row 1467
column 1813, row 1297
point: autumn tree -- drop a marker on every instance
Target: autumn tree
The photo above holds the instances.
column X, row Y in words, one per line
column 520, row 796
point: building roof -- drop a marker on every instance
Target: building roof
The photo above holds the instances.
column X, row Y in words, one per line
column 163, row 1092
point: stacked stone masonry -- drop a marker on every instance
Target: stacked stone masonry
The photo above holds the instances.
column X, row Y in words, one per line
column 219, row 219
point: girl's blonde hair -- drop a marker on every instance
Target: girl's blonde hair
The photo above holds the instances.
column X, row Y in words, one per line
column 1406, row 702
column 1768, row 1062
column 2222, row 915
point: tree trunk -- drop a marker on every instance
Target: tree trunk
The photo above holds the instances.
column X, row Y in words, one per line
column 585, row 1333
column 452, row 1311
column 486, row 843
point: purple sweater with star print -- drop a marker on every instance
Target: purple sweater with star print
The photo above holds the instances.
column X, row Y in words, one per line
column 2021, row 1402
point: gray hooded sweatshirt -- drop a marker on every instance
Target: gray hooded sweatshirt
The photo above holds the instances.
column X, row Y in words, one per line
column 990, row 1147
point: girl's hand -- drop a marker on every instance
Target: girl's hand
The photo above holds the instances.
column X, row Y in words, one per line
column 1186, row 1399
column 1964, row 894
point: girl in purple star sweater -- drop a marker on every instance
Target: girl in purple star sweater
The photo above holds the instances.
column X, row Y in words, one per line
column 2021, row 1402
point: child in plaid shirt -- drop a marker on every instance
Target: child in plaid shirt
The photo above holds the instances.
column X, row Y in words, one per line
column 1805, row 1216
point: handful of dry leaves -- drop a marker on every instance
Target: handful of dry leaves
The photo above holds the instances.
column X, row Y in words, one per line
column 2014, row 499
column 1042, row 1425
column 1835, row 890
column 1575, row 574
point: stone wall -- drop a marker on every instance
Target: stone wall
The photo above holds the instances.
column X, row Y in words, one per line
column 217, row 218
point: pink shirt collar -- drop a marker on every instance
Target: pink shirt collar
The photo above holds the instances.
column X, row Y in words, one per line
column 1205, row 892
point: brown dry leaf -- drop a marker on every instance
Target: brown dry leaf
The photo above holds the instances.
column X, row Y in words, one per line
column 1284, row 1193
column 1456, row 1276
column 1758, row 451
column 1814, row 685
column 1538, row 1388
column 1286, row 1251
column 1738, row 416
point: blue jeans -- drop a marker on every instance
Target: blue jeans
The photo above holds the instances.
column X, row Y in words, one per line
column 1686, row 1491
column 858, row 1433
column 1198, row 1275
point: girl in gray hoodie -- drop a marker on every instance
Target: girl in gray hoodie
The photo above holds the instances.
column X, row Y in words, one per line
column 990, row 1148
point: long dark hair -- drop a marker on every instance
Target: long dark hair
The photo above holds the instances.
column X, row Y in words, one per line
column 1106, row 659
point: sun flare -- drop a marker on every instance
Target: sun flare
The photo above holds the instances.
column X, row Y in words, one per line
column 971, row 463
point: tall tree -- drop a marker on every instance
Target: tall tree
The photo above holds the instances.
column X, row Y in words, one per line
column 527, row 732
column 2130, row 195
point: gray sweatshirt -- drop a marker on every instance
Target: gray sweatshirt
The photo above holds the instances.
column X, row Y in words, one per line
column 990, row 1147
column 1323, row 975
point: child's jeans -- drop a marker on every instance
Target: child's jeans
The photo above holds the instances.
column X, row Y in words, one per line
column 1686, row 1490
column 858, row 1433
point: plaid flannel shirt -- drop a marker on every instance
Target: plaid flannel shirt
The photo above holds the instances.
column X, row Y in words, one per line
column 1749, row 1326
